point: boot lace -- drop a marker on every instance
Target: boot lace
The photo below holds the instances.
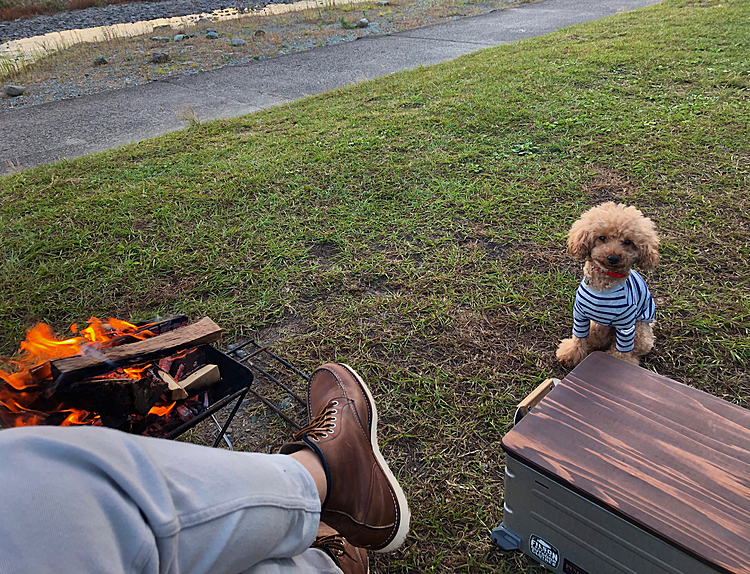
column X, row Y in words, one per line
column 334, row 544
column 322, row 425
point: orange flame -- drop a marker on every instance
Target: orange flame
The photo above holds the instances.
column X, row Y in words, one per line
column 120, row 326
column 20, row 380
column 95, row 332
column 136, row 372
column 162, row 411
column 21, row 415
column 99, row 331
column 77, row 417
column 40, row 345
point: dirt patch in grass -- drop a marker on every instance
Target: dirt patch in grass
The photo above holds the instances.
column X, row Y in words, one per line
column 287, row 328
column 608, row 185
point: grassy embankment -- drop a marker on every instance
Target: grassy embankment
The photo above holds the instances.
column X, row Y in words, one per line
column 414, row 227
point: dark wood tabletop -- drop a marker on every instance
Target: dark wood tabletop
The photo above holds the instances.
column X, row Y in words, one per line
column 668, row 457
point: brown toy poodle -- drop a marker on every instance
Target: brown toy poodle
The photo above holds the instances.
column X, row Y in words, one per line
column 613, row 309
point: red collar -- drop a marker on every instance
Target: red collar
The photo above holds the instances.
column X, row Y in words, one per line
column 610, row 273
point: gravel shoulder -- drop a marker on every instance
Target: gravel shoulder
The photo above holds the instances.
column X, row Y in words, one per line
column 90, row 68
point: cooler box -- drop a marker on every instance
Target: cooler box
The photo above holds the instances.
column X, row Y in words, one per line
column 619, row 469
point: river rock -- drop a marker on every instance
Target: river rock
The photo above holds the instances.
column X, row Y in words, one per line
column 363, row 23
column 259, row 33
column 179, row 37
column 159, row 57
column 212, row 35
column 238, row 42
column 13, row 91
column 100, row 60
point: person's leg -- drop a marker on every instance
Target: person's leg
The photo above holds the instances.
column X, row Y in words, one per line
column 97, row 500
column 339, row 448
column 93, row 499
column 330, row 553
column 312, row 561
column 314, row 466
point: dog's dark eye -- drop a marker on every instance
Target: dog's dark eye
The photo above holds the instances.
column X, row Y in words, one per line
column 627, row 242
column 602, row 238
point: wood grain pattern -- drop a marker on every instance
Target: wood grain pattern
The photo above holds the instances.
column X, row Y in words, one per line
column 672, row 459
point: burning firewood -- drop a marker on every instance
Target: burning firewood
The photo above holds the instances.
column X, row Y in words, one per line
column 148, row 330
column 143, row 378
column 40, row 372
column 102, row 361
column 112, row 396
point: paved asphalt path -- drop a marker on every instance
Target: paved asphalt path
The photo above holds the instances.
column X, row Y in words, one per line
column 45, row 133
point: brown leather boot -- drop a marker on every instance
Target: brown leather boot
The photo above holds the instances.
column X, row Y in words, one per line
column 350, row 559
column 364, row 501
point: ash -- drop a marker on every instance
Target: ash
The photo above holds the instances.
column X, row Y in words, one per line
column 119, row 14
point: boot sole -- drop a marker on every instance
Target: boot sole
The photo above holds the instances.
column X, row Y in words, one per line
column 405, row 514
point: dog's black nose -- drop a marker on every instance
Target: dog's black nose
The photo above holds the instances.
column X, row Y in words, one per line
column 613, row 259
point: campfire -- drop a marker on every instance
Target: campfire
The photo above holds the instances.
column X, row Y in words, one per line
column 151, row 378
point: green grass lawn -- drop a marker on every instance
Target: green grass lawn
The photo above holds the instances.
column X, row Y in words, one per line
column 414, row 226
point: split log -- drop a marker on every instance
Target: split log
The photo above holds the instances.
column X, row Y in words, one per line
column 174, row 391
column 201, row 379
column 112, row 397
column 99, row 362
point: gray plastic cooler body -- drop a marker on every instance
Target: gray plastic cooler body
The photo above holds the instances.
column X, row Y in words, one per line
column 574, row 535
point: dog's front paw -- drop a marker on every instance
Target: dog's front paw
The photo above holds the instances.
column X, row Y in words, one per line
column 571, row 351
column 630, row 357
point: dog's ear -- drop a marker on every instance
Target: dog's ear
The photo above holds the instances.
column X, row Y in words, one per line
column 579, row 240
column 649, row 252
column 647, row 240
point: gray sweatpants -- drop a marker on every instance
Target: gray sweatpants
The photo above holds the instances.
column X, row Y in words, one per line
column 82, row 499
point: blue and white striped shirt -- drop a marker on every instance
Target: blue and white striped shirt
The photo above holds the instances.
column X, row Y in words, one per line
column 619, row 307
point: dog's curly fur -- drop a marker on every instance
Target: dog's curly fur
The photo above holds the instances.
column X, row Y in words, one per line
column 613, row 238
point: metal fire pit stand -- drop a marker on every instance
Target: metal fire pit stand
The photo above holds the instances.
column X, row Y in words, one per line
column 246, row 352
column 260, row 361
column 239, row 395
